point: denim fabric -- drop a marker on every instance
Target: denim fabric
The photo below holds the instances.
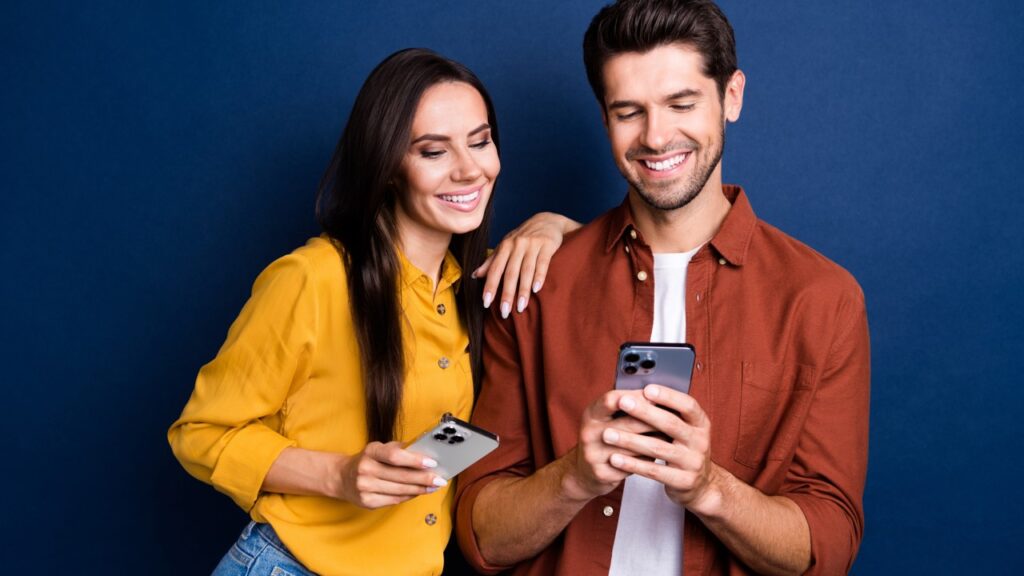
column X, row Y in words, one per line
column 259, row 552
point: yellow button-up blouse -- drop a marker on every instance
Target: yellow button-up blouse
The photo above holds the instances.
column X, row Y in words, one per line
column 289, row 375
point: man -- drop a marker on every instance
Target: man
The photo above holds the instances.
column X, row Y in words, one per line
column 763, row 466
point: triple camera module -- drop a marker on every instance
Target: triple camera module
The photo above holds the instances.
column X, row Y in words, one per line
column 634, row 362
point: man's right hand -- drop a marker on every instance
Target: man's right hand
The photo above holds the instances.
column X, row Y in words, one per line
column 589, row 473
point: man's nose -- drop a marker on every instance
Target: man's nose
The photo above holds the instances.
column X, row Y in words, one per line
column 657, row 132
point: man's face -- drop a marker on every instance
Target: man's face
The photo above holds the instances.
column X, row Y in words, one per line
column 666, row 122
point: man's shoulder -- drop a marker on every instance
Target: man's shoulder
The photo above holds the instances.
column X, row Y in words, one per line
column 580, row 248
column 792, row 263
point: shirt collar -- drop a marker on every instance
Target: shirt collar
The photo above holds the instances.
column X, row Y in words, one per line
column 451, row 273
column 731, row 241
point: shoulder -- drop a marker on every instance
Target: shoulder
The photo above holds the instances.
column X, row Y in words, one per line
column 794, row 266
column 580, row 248
column 317, row 264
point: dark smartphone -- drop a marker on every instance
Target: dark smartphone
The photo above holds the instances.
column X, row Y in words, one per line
column 643, row 363
column 454, row 444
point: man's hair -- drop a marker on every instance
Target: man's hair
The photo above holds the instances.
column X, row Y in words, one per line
column 642, row 25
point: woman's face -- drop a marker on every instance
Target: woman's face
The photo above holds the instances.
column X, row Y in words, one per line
column 449, row 169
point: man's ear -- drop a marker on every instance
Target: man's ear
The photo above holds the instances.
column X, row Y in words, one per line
column 732, row 104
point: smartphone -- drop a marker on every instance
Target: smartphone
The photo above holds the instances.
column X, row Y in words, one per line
column 454, row 444
column 643, row 363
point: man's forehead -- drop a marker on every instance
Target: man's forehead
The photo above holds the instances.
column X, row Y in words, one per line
column 667, row 69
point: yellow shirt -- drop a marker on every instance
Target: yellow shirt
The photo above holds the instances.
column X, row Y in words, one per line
column 289, row 375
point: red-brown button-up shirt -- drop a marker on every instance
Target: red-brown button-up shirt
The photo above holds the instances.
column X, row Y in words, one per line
column 782, row 370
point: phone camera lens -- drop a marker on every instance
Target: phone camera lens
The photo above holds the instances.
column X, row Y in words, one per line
column 458, row 439
column 440, row 436
column 647, row 364
column 449, row 430
column 629, row 369
column 631, row 357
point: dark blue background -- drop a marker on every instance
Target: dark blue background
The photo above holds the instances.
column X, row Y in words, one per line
column 155, row 158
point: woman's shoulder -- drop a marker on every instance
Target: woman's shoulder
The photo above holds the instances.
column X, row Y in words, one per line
column 318, row 263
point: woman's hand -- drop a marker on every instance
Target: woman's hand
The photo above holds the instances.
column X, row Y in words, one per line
column 384, row 475
column 522, row 259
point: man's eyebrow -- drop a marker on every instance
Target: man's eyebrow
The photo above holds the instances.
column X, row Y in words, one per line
column 441, row 138
column 684, row 93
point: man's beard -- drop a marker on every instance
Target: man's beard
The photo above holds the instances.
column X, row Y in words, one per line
column 664, row 198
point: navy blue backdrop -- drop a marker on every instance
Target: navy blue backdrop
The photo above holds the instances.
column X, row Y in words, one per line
column 155, row 158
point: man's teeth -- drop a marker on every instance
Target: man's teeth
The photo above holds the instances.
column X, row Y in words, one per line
column 665, row 164
column 461, row 199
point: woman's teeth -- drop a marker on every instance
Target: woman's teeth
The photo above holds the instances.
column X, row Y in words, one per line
column 461, row 199
column 665, row 164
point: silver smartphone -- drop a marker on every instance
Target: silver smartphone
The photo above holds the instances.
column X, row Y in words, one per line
column 643, row 363
column 454, row 444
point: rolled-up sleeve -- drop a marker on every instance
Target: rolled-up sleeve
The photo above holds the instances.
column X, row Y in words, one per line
column 502, row 409
column 223, row 437
column 826, row 479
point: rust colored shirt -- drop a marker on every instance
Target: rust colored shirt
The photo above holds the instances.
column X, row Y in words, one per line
column 782, row 370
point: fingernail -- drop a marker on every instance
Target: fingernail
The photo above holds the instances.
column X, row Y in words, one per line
column 488, row 297
column 627, row 403
column 652, row 391
column 611, row 436
column 429, row 463
column 521, row 305
column 536, row 287
column 438, row 481
column 616, row 460
column 506, row 309
column 431, row 489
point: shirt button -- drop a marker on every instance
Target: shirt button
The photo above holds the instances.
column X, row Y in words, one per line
column 700, row 367
column 608, row 511
column 632, row 234
column 443, row 362
column 627, row 248
column 441, row 309
column 430, row 519
column 698, row 296
column 641, row 276
column 721, row 261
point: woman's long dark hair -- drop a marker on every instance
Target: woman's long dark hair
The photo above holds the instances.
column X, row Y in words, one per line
column 356, row 208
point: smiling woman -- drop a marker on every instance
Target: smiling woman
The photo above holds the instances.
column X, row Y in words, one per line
column 353, row 344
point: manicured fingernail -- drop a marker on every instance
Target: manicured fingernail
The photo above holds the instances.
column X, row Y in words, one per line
column 652, row 391
column 521, row 305
column 611, row 436
column 438, row 481
column 506, row 309
column 616, row 460
column 536, row 286
column 429, row 463
column 432, row 489
column 488, row 298
column 627, row 403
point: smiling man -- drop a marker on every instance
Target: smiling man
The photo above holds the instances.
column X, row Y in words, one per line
column 761, row 467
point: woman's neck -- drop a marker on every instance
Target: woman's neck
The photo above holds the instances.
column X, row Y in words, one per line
column 425, row 248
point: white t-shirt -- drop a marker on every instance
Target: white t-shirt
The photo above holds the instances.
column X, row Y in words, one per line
column 649, row 536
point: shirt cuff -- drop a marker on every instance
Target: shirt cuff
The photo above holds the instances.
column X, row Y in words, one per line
column 833, row 541
column 245, row 461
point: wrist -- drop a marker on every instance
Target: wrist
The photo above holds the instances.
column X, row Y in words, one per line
column 710, row 503
column 333, row 477
column 571, row 486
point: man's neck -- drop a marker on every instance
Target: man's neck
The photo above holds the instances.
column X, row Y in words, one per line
column 682, row 229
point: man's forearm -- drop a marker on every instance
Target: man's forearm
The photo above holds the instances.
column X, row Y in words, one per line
column 767, row 533
column 516, row 518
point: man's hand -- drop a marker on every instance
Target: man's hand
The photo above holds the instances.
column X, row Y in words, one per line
column 688, row 472
column 591, row 473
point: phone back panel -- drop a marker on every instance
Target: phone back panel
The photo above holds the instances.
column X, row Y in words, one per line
column 643, row 363
column 454, row 444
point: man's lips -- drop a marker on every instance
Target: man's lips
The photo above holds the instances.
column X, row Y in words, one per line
column 665, row 165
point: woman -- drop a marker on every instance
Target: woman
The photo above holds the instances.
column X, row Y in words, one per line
column 352, row 345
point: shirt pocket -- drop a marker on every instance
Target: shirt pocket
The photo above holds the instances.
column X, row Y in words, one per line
column 774, row 399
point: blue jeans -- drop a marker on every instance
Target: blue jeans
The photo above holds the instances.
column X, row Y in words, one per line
column 259, row 552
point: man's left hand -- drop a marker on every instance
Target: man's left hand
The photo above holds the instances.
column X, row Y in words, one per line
column 688, row 473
